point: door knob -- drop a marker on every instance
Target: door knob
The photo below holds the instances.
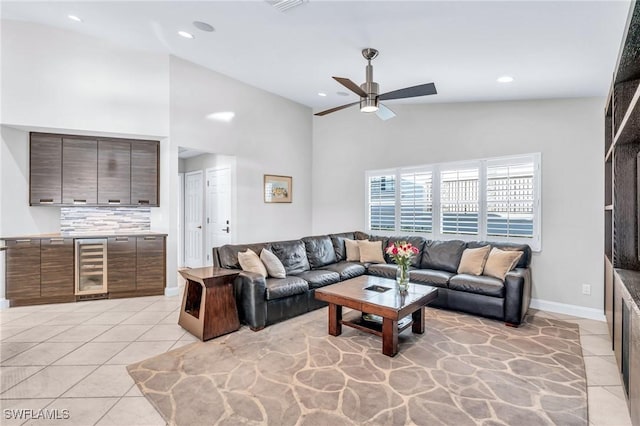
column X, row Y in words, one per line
column 226, row 229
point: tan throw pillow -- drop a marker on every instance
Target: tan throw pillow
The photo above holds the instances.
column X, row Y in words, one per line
column 500, row 262
column 250, row 262
column 371, row 251
column 473, row 260
column 275, row 268
column 353, row 252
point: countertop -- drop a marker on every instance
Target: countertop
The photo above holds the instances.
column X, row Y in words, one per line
column 100, row 234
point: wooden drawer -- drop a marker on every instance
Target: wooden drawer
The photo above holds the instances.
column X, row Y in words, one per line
column 121, row 264
column 23, row 269
column 150, row 271
column 56, row 267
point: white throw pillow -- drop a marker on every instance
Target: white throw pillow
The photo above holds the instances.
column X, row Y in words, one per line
column 371, row 251
column 473, row 260
column 275, row 268
column 250, row 262
column 353, row 252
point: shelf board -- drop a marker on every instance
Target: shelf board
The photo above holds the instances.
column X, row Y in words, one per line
column 608, row 207
column 628, row 63
column 629, row 130
column 609, row 157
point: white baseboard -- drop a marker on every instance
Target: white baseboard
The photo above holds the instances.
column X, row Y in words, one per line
column 4, row 304
column 563, row 308
column 171, row 291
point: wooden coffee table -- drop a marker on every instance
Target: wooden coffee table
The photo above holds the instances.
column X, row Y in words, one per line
column 389, row 304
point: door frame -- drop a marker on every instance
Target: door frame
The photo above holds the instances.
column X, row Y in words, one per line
column 181, row 220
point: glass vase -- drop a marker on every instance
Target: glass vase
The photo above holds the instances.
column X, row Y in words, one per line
column 402, row 278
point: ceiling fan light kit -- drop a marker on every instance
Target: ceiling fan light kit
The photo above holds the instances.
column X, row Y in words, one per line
column 369, row 91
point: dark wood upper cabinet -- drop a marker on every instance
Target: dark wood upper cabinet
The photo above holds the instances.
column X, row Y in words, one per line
column 46, row 169
column 80, row 176
column 56, row 268
column 144, row 173
column 114, row 172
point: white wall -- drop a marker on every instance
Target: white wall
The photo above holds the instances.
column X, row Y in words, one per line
column 568, row 133
column 269, row 135
column 59, row 81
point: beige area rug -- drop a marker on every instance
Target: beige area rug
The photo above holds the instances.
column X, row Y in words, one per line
column 464, row 370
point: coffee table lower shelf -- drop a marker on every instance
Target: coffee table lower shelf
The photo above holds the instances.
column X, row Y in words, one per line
column 354, row 319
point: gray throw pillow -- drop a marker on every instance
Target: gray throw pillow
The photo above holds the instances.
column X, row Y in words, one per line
column 275, row 268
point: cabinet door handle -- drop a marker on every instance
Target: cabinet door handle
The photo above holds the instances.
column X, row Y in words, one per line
column 46, row 200
column 122, row 239
column 114, row 201
column 149, row 238
column 56, row 240
column 143, row 201
column 79, row 201
column 23, row 241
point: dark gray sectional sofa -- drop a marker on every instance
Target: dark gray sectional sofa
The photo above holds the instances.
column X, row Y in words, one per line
column 317, row 261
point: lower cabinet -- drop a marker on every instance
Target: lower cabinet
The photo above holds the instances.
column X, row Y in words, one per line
column 42, row 270
column 121, row 264
column 150, row 271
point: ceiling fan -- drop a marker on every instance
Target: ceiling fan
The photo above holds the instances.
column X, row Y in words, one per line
column 368, row 92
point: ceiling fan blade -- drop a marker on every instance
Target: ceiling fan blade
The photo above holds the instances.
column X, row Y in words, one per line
column 329, row 111
column 351, row 86
column 384, row 113
column 410, row 92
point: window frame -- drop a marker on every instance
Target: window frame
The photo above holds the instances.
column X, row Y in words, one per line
column 535, row 242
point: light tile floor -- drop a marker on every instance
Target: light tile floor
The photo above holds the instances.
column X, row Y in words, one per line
column 73, row 356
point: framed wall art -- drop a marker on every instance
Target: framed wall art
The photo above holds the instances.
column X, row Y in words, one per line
column 277, row 189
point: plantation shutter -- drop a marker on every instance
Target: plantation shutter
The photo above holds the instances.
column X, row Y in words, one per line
column 382, row 206
column 510, row 200
column 459, row 201
column 416, row 201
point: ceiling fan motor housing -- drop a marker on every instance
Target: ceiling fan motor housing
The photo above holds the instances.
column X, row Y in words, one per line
column 371, row 88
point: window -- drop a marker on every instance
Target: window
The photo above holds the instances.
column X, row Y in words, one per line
column 495, row 199
column 416, row 202
column 382, row 202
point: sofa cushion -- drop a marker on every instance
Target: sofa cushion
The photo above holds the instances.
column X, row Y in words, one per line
column 473, row 260
column 430, row 277
column 346, row 270
column 442, row 255
column 293, row 256
column 319, row 278
column 275, row 268
column 319, row 251
column 250, row 262
column 383, row 270
column 338, row 244
column 500, row 262
column 524, row 261
column 417, row 242
column 278, row 288
column 228, row 253
column 371, row 251
column 488, row 286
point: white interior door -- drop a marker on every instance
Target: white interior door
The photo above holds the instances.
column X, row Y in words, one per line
column 180, row 220
column 193, row 219
column 218, row 209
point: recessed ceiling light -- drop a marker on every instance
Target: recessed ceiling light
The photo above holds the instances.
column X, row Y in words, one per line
column 203, row 26
column 185, row 34
column 224, row 116
column 74, row 18
column 322, row 94
column 342, row 94
column 505, row 79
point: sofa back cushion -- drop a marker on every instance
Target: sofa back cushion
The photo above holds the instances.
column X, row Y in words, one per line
column 442, row 255
column 417, row 242
column 524, row 261
column 320, row 251
column 383, row 240
column 338, row 244
column 293, row 256
column 228, row 253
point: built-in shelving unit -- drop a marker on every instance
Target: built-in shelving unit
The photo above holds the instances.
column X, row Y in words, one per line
column 621, row 211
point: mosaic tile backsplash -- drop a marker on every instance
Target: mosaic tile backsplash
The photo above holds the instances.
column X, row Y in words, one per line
column 79, row 220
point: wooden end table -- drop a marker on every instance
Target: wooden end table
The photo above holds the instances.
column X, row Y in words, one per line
column 209, row 304
column 389, row 304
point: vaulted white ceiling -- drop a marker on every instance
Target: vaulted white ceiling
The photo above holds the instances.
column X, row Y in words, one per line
column 552, row 49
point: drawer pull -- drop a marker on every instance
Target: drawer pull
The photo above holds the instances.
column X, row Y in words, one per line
column 149, row 238
column 79, row 201
column 123, row 239
column 114, row 201
column 143, row 201
column 46, row 200
column 23, row 241
column 56, row 240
